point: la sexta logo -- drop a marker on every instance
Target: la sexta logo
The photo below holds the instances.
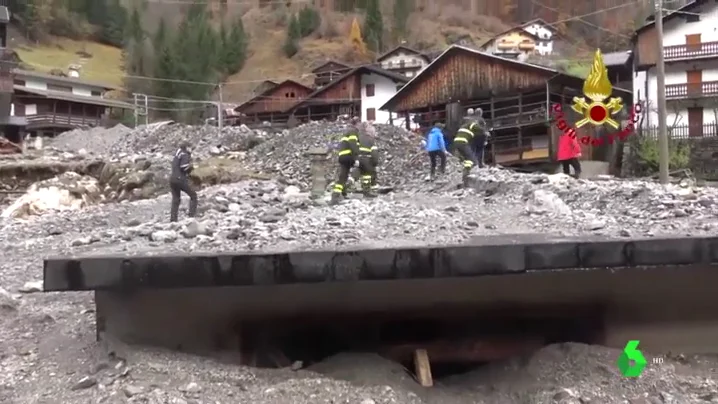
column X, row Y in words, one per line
column 597, row 107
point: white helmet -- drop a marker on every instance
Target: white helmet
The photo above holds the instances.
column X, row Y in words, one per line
column 470, row 111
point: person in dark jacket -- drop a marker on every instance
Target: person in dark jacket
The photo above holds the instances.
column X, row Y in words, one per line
column 179, row 181
column 436, row 147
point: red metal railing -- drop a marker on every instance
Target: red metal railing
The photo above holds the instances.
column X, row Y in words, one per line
column 700, row 50
column 689, row 90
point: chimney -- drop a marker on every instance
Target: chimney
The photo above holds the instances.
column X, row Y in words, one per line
column 74, row 70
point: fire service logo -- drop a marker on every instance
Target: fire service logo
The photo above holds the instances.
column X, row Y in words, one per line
column 598, row 108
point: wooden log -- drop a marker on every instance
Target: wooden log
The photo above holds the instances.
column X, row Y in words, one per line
column 422, row 367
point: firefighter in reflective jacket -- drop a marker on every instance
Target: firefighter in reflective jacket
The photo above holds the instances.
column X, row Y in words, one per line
column 347, row 157
column 368, row 157
column 464, row 145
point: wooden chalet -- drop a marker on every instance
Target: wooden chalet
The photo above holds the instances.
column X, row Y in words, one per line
column 48, row 112
column 264, row 86
column 620, row 68
column 342, row 96
column 403, row 60
column 328, row 72
column 516, row 99
column 272, row 104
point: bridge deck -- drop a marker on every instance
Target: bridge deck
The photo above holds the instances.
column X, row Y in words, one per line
column 493, row 255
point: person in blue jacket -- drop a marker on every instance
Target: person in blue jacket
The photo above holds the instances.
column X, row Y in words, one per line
column 435, row 145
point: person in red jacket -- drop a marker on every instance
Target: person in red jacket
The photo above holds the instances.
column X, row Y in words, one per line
column 569, row 150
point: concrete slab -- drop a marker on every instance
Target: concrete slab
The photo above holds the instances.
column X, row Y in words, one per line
column 507, row 254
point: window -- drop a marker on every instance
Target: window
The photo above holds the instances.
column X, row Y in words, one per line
column 56, row 87
column 96, row 94
column 693, row 18
column 18, row 82
column 370, row 90
column 409, row 74
column 371, row 114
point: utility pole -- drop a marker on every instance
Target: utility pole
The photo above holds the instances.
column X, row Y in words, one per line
column 147, row 111
column 137, row 117
column 663, row 152
column 220, row 109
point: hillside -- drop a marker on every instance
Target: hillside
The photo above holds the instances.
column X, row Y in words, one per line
column 427, row 27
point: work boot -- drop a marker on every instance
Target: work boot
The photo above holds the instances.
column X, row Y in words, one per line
column 465, row 178
column 336, row 198
column 367, row 191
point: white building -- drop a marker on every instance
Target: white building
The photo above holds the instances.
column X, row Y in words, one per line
column 690, row 48
column 535, row 37
column 359, row 92
column 403, row 60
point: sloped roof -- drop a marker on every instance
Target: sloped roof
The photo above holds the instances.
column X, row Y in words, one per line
column 540, row 21
column 268, row 91
column 361, row 69
column 454, row 48
column 404, row 48
column 671, row 15
column 60, row 79
column 61, row 95
column 329, row 62
column 508, row 31
column 617, row 58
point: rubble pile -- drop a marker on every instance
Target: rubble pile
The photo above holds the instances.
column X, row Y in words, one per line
column 68, row 191
column 285, row 154
column 95, row 140
column 271, row 215
column 160, row 138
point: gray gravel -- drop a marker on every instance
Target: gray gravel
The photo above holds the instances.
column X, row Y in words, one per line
column 157, row 138
column 49, row 355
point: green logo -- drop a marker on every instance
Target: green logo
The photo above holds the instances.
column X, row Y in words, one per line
column 631, row 354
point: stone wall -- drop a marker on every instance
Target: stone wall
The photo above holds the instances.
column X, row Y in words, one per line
column 703, row 160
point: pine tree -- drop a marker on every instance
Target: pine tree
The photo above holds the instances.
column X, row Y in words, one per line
column 112, row 30
column 164, row 66
column 160, row 38
column 291, row 45
column 373, row 26
column 355, row 37
column 134, row 31
column 309, row 21
column 402, row 11
column 136, row 56
column 235, row 47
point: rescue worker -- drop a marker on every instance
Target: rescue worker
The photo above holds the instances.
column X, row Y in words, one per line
column 371, row 130
column 465, row 143
column 368, row 154
column 476, row 116
column 347, row 157
column 179, row 181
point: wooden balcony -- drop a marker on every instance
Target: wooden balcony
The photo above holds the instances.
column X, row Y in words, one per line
column 702, row 50
column 691, row 90
column 60, row 121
